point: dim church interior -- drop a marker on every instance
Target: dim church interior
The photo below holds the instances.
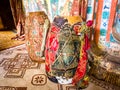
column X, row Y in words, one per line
column 7, row 22
column 29, row 75
column 7, row 26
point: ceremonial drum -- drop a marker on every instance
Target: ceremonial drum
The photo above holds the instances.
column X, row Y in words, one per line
column 62, row 53
column 36, row 29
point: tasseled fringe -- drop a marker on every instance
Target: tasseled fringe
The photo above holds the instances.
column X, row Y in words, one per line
column 112, row 78
column 104, row 75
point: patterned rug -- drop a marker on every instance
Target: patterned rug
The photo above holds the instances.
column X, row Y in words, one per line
column 6, row 41
column 18, row 72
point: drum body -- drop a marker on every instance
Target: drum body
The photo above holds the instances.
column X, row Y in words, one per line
column 36, row 29
column 62, row 50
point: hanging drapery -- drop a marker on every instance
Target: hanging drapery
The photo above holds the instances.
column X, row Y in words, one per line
column 19, row 18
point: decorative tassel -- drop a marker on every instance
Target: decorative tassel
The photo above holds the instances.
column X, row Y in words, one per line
column 106, row 76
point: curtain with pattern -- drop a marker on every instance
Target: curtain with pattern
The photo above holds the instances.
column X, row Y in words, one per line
column 19, row 18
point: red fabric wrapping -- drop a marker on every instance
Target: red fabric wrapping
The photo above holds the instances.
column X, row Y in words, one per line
column 81, row 69
column 51, row 44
